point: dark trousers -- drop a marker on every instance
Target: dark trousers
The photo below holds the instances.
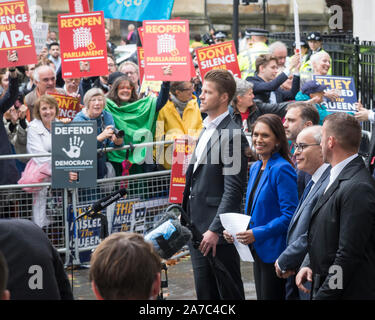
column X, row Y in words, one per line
column 204, row 276
column 267, row 285
column 292, row 291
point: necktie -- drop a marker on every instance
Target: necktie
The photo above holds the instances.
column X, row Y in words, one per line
column 307, row 190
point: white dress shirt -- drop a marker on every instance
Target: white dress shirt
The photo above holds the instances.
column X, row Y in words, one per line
column 210, row 127
column 336, row 170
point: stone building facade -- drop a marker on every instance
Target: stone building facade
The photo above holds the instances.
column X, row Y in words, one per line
column 219, row 13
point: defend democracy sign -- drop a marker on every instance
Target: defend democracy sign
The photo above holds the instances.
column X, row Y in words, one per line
column 346, row 89
column 16, row 35
column 218, row 56
column 74, row 149
column 135, row 10
column 167, row 43
column 83, row 45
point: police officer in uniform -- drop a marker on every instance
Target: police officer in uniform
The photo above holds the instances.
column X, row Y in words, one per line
column 257, row 46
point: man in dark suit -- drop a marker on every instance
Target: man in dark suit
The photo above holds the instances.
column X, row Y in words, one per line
column 215, row 182
column 309, row 159
column 36, row 271
column 267, row 83
column 341, row 234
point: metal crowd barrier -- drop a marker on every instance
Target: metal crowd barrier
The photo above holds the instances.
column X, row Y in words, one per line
column 145, row 203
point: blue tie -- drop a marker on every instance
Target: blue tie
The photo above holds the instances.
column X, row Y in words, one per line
column 307, row 190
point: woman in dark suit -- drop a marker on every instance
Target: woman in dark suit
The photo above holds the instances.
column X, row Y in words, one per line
column 271, row 200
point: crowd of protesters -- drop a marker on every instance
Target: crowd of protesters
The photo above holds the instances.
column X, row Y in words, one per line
column 275, row 102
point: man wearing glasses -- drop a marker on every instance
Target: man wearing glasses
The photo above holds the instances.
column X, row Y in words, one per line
column 309, row 158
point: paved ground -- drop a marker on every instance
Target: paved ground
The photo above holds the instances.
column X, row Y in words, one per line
column 180, row 282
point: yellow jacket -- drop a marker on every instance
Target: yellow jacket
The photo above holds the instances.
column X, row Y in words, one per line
column 170, row 126
column 246, row 59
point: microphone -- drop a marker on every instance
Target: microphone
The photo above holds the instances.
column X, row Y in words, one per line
column 104, row 202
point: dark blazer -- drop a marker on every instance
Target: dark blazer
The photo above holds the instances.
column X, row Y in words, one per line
column 371, row 153
column 24, row 245
column 262, row 89
column 275, row 201
column 342, row 233
column 296, row 250
column 209, row 191
column 8, row 170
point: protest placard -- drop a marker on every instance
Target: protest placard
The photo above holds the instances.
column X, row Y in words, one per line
column 141, row 63
column 74, row 150
column 140, row 34
column 347, row 94
column 166, row 43
column 68, row 106
column 40, row 32
column 182, row 152
column 83, row 45
column 218, row 56
column 17, row 46
column 79, row 6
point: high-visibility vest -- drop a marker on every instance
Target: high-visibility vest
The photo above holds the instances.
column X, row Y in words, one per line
column 247, row 58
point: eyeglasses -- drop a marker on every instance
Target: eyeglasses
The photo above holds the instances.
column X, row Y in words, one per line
column 302, row 146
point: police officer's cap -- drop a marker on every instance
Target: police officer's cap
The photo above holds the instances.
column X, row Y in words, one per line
column 314, row 36
column 256, row 32
column 220, row 35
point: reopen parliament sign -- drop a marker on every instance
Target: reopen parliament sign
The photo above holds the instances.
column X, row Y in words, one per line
column 83, row 45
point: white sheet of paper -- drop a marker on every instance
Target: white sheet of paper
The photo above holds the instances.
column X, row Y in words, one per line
column 234, row 223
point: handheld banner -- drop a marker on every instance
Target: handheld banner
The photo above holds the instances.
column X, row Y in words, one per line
column 182, row 152
column 83, row 45
column 218, row 56
column 17, row 47
column 68, row 106
column 79, row 6
column 141, row 63
column 135, row 10
column 40, row 32
column 166, row 43
column 296, row 28
column 345, row 87
column 140, row 34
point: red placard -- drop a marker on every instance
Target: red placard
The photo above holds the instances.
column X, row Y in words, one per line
column 79, row 6
column 16, row 35
column 182, row 152
column 140, row 34
column 68, row 106
column 166, row 42
column 218, row 56
column 141, row 63
column 83, row 45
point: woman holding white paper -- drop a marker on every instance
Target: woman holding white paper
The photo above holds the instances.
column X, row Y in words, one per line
column 271, row 200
